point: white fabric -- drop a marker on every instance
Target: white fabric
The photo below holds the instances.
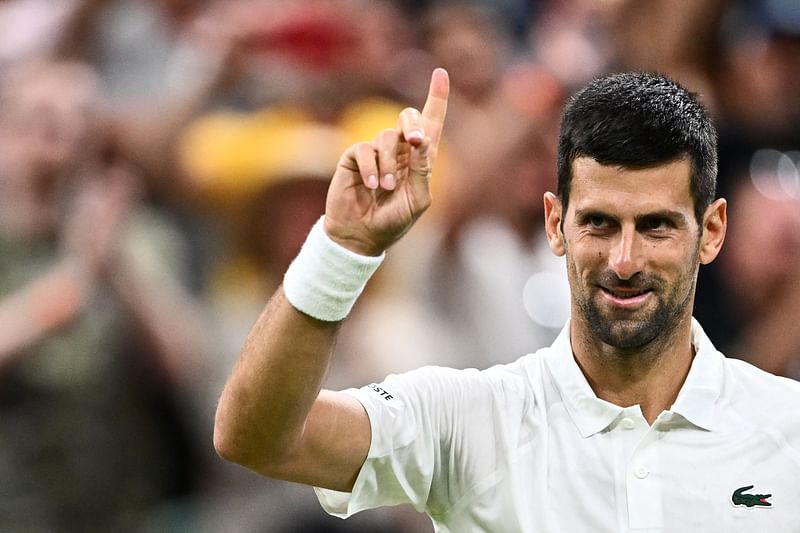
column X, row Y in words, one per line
column 325, row 279
column 528, row 447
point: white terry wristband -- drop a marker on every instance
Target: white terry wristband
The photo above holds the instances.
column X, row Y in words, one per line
column 325, row 279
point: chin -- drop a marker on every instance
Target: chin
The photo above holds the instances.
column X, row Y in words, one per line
column 627, row 334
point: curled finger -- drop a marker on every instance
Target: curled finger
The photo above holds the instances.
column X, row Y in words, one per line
column 386, row 144
column 410, row 124
column 365, row 156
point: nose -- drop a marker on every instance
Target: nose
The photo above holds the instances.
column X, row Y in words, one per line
column 625, row 257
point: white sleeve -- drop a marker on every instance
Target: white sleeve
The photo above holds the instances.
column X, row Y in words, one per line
column 436, row 434
column 412, row 417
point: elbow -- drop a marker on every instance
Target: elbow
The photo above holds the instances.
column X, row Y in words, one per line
column 232, row 435
column 244, row 449
column 231, row 442
column 227, row 445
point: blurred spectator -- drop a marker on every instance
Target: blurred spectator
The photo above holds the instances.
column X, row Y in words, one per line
column 36, row 29
column 758, row 72
column 97, row 334
column 765, row 250
column 679, row 39
column 746, row 64
column 499, row 157
column 574, row 39
column 161, row 62
column 467, row 38
column 751, row 298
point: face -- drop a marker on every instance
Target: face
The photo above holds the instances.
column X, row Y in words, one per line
column 465, row 40
column 53, row 111
column 633, row 247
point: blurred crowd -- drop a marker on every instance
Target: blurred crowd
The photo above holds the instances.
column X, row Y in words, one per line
column 161, row 162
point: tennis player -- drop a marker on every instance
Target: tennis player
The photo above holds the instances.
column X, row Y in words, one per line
column 630, row 421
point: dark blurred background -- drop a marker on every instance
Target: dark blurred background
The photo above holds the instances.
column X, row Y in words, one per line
column 162, row 160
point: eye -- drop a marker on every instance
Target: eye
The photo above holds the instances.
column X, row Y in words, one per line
column 597, row 221
column 656, row 223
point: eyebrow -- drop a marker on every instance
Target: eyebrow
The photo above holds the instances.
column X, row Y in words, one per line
column 676, row 216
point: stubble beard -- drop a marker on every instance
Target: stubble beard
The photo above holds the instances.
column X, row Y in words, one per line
column 636, row 332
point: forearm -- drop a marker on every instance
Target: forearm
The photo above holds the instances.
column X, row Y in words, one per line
column 271, row 416
column 169, row 317
column 262, row 411
column 265, row 419
column 46, row 304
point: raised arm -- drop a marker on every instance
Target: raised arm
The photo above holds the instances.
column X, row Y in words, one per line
column 272, row 416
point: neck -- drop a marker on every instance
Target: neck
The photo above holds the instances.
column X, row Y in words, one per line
column 650, row 376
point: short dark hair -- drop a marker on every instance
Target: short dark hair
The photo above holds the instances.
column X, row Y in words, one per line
column 639, row 120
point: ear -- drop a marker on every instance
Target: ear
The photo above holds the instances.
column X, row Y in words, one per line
column 552, row 223
column 715, row 223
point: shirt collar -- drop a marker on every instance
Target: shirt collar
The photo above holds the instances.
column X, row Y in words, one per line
column 696, row 400
column 589, row 413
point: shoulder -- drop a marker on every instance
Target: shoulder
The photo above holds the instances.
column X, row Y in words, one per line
column 763, row 399
column 505, row 379
column 500, row 388
column 749, row 382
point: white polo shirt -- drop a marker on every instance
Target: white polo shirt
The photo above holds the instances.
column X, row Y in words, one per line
column 528, row 447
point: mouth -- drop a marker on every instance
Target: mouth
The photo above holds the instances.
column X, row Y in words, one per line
column 626, row 297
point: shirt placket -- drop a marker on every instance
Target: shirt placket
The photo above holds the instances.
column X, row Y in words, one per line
column 643, row 489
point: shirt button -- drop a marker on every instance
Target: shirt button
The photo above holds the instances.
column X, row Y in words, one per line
column 641, row 472
column 627, row 423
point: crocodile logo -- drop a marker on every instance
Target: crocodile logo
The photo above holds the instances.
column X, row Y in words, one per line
column 740, row 499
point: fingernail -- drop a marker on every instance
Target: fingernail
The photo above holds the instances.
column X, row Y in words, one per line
column 372, row 181
column 415, row 135
column 389, row 182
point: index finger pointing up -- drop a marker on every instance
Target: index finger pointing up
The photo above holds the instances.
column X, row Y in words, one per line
column 436, row 106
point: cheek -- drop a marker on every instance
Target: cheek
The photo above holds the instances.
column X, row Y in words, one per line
column 590, row 250
column 585, row 261
column 685, row 266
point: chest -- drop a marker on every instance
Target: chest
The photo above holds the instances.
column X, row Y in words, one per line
column 634, row 478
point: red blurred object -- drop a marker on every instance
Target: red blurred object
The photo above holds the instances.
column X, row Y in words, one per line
column 317, row 39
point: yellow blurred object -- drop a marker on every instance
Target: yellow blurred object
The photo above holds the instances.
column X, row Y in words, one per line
column 227, row 156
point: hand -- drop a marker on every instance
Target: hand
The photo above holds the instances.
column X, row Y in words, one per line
column 94, row 222
column 381, row 188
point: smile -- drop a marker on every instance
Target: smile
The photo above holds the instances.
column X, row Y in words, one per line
column 626, row 298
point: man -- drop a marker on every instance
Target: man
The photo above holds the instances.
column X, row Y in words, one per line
column 630, row 421
column 98, row 330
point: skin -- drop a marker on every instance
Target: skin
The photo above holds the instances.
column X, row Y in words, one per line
column 633, row 248
column 273, row 416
